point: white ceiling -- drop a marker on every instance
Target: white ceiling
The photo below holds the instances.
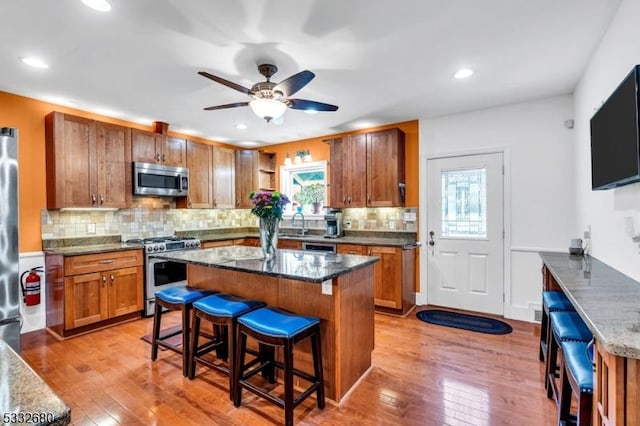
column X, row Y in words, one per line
column 381, row 62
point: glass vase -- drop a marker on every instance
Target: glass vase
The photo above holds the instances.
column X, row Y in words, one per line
column 269, row 236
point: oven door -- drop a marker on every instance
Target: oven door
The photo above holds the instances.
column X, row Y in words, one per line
column 162, row 274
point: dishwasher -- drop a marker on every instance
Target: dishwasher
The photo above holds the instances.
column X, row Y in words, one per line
column 323, row 247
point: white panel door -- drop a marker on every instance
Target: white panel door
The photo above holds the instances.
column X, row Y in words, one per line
column 466, row 237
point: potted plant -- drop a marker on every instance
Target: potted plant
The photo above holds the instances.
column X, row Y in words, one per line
column 311, row 194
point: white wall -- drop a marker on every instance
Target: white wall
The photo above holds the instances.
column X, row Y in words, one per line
column 33, row 317
column 539, row 191
column 605, row 211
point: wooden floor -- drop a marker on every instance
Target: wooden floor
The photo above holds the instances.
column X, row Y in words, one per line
column 422, row 375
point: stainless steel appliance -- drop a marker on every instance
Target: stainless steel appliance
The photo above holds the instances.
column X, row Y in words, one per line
column 160, row 180
column 324, row 247
column 333, row 220
column 10, row 319
column 160, row 273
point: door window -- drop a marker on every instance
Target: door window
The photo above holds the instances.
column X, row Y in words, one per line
column 464, row 203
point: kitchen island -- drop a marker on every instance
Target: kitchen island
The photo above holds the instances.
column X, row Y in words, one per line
column 336, row 288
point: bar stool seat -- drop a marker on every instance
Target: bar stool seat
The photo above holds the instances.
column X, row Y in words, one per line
column 222, row 310
column 175, row 299
column 552, row 301
column 279, row 328
column 576, row 378
column 565, row 326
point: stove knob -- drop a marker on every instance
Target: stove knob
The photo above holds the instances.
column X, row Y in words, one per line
column 196, row 243
column 156, row 248
column 148, row 249
column 162, row 248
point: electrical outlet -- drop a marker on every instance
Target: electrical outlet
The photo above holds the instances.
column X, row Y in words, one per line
column 91, row 228
column 327, row 288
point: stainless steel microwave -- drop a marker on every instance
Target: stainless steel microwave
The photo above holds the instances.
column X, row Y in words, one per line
column 160, row 180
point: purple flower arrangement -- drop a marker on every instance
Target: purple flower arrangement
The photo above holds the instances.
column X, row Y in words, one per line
column 268, row 204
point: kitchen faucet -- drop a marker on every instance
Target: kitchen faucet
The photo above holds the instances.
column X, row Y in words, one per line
column 293, row 221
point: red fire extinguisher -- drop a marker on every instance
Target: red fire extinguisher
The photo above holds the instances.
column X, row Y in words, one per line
column 31, row 286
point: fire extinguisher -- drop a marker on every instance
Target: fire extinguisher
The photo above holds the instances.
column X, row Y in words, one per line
column 31, row 286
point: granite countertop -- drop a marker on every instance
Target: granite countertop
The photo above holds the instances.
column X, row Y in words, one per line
column 607, row 300
column 93, row 249
column 363, row 238
column 313, row 267
column 25, row 397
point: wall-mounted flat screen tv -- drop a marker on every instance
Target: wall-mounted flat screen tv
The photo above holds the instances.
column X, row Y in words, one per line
column 615, row 137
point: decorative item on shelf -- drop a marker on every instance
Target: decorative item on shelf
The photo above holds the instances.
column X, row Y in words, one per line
column 268, row 206
column 311, row 194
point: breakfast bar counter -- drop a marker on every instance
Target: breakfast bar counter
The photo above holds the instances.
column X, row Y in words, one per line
column 336, row 288
column 609, row 304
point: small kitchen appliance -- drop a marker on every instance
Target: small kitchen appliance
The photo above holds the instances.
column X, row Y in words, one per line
column 333, row 220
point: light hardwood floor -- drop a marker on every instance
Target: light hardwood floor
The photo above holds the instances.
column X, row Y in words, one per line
column 422, row 375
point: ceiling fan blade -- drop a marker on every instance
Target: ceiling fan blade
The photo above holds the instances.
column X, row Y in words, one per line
column 294, row 83
column 310, row 105
column 237, row 104
column 227, row 83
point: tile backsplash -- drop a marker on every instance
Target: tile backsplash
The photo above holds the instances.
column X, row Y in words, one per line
column 152, row 217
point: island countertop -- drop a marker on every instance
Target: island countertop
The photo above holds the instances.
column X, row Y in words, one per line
column 607, row 300
column 26, row 398
column 313, row 267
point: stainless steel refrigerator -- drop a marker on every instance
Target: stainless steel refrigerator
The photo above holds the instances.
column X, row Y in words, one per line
column 10, row 319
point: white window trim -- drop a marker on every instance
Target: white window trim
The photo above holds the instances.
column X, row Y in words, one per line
column 286, row 189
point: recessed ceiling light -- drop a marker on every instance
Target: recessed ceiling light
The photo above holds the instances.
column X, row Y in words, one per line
column 99, row 5
column 463, row 73
column 241, row 126
column 35, row 62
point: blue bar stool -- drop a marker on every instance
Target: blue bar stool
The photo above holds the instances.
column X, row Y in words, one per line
column 175, row 299
column 278, row 328
column 222, row 310
column 577, row 378
column 565, row 326
column 552, row 301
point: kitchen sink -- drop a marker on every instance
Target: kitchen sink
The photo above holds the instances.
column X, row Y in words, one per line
column 292, row 235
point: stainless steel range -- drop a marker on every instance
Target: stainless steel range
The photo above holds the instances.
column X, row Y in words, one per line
column 160, row 273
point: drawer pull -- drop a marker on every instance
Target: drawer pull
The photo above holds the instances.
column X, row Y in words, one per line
column 106, row 261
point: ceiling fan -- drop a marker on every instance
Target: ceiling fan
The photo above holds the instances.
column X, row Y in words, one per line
column 270, row 100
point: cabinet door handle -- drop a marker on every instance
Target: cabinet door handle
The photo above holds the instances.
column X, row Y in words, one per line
column 106, row 261
column 164, row 157
column 101, row 199
column 104, row 281
column 93, row 198
column 369, row 252
column 158, row 157
column 112, row 278
column 368, row 199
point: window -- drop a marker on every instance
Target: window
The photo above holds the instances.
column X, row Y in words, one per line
column 464, row 203
column 297, row 179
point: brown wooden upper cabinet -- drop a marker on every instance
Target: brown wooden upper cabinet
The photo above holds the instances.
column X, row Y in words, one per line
column 199, row 162
column 255, row 170
column 246, row 176
column 150, row 147
column 211, row 177
column 88, row 163
column 224, row 178
column 378, row 156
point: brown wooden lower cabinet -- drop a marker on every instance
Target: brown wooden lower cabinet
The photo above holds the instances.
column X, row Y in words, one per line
column 394, row 276
column 91, row 291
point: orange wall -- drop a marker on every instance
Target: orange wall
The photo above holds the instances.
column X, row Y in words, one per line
column 320, row 151
column 28, row 116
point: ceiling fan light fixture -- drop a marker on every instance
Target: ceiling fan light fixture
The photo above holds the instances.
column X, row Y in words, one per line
column 268, row 109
